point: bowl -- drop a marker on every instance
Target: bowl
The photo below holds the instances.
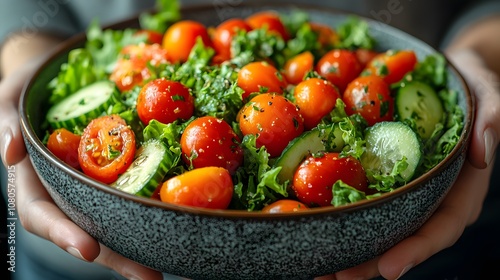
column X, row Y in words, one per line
column 230, row 244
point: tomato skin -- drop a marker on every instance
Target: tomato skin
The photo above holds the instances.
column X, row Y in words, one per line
column 152, row 37
column 165, row 101
column 100, row 138
column 260, row 77
column 314, row 178
column 180, row 38
column 64, row 145
column 207, row 187
column 285, row 206
column 212, row 142
column 316, row 98
column 339, row 67
column 392, row 65
column 369, row 96
column 273, row 119
column 365, row 56
column 271, row 21
column 223, row 36
column 297, row 67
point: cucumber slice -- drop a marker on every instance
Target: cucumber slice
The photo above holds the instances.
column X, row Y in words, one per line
column 83, row 106
column 150, row 165
column 420, row 102
column 308, row 143
column 387, row 143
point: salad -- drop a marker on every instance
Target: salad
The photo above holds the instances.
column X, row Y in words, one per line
column 270, row 113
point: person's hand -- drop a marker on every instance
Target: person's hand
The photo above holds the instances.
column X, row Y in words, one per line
column 36, row 210
column 463, row 204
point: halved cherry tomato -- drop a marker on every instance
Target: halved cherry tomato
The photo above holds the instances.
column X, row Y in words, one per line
column 392, row 65
column 64, row 145
column 152, row 37
column 314, row 178
column 180, row 38
column 223, row 36
column 339, row 67
column 207, row 187
column 273, row 119
column 369, row 96
column 285, row 206
column 269, row 20
column 165, row 101
column 297, row 67
column 208, row 141
column 107, row 148
column 260, row 77
column 316, row 98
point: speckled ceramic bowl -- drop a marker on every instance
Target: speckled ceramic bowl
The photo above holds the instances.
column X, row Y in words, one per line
column 207, row 244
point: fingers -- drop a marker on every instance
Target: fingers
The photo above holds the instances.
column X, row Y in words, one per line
column 365, row 270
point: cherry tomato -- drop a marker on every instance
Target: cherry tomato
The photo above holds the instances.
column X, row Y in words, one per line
column 316, row 98
column 365, row 56
column 269, row 20
column 64, row 145
column 208, row 141
column 223, row 36
column 260, row 77
column 152, row 37
column 326, row 35
column 132, row 67
column 285, row 206
column 164, row 101
column 314, row 178
column 273, row 119
column 340, row 67
column 369, row 96
column 297, row 67
column 180, row 38
column 392, row 65
column 107, row 148
column 207, row 187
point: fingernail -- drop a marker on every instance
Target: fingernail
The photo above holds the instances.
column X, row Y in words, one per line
column 405, row 270
column 490, row 142
column 75, row 253
column 6, row 138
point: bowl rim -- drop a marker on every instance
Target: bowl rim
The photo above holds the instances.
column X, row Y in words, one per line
column 30, row 135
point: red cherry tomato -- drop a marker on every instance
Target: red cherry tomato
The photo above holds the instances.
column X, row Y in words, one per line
column 339, row 67
column 152, row 37
column 273, row 119
column 260, row 77
column 64, row 145
column 297, row 67
column 392, row 65
column 107, row 148
column 365, row 56
column 326, row 35
column 164, row 101
column 369, row 96
column 207, row 187
column 223, row 36
column 180, row 38
column 316, row 98
column 269, row 20
column 208, row 141
column 314, row 178
column 285, row 206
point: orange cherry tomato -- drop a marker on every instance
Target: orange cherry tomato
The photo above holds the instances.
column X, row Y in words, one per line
column 392, row 65
column 369, row 96
column 327, row 36
column 207, row 187
column 180, row 38
column 269, row 20
column 339, row 67
column 107, row 148
column 223, row 36
column 260, row 77
column 273, row 119
column 64, row 145
column 285, row 206
column 316, row 98
column 297, row 67
column 165, row 101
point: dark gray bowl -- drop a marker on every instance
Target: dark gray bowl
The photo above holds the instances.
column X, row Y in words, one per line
column 207, row 244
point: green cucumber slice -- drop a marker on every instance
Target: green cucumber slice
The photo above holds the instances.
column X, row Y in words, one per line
column 83, row 106
column 145, row 174
column 387, row 143
column 420, row 102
